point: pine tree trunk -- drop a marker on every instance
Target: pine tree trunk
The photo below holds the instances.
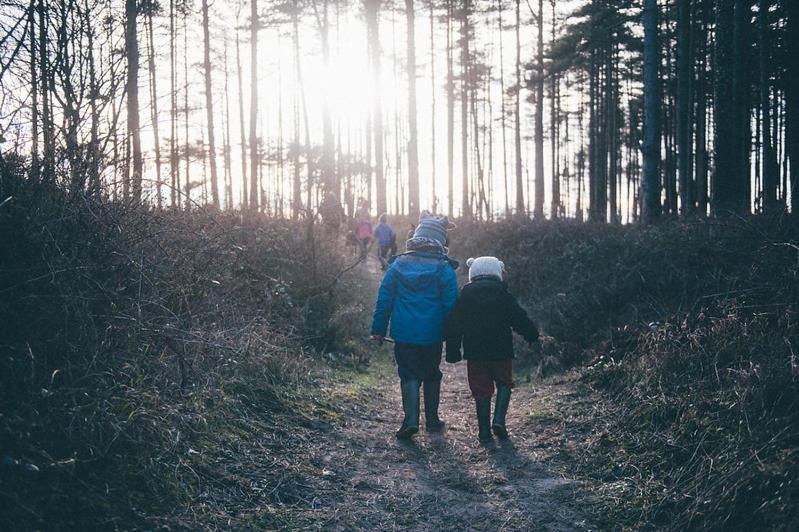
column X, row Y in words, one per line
column 47, row 122
column 538, row 211
column 741, row 97
column 209, row 107
column 554, row 121
column 792, row 102
column 413, row 156
column 226, row 142
column 174, row 167
column 465, row 204
column 35, row 93
column 187, row 146
column 134, row 130
column 684, row 99
column 434, row 200
column 650, row 193
column 372, row 10
column 520, row 207
column 769, row 157
column 450, row 114
column 242, row 134
column 254, row 22
column 94, row 143
column 154, row 109
column 503, row 111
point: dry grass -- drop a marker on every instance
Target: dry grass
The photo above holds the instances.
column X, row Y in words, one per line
column 137, row 347
column 691, row 333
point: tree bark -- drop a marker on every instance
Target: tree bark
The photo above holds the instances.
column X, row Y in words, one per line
column 520, row 207
column 769, row 157
column 650, row 207
column 465, row 73
column 174, row 167
column 254, row 105
column 538, row 211
column 372, row 10
column 132, row 55
column 792, row 102
column 450, row 114
column 154, row 108
column 209, row 107
column 413, row 155
column 684, row 104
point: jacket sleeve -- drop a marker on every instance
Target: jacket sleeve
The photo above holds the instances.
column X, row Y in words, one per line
column 520, row 321
column 449, row 289
column 453, row 332
column 385, row 303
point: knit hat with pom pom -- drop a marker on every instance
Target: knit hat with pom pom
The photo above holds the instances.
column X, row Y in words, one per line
column 485, row 266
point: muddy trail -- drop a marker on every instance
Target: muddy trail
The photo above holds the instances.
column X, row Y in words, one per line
column 351, row 471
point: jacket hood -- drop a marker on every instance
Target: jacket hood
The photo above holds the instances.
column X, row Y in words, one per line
column 419, row 272
column 485, row 289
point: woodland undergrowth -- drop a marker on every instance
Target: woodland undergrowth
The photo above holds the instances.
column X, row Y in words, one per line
column 689, row 332
column 137, row 348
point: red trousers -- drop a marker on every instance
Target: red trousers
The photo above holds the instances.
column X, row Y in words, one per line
column 484, row 373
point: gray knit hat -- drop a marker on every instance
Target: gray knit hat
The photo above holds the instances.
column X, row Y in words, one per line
column 485, row 266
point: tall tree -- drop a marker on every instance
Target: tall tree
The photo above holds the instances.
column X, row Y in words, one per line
column 372, row 23
column 650, row 206
column 503, row 111
column 413, row 156
column 154, row 104
column 520, row 208
column 792, row 97
column 242, row 134
column 132, row 56
column 538, row 211
column 465, row 62
column 174, row 167
column 209, row 106
column 768, row 158
column 684, row 105
column 254, row 23
column 434, row 200
column 450, row 113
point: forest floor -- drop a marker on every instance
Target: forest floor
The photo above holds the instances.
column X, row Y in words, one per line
column 349, row 471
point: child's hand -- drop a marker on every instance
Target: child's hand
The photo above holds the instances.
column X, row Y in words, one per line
column 377, row 338
column 545, row 339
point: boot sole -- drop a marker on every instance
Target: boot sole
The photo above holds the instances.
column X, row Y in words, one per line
column 406, row 434
column 500, row 432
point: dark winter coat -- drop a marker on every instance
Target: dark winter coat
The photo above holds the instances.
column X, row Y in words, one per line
column 482, row 320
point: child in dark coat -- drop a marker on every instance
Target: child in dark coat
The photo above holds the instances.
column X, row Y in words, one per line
column 484, row 315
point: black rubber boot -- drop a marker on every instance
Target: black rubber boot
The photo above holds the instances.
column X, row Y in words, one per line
column 410, row 404
column 500, row 410
column 432, row 394
column 483, row 419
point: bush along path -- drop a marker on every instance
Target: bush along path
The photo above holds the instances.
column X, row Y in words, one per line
column 358, row 475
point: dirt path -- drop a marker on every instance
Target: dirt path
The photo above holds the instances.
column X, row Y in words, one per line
column 360, row 476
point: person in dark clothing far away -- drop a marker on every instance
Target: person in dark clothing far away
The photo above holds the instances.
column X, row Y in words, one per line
column 416, row 295
column 481, row 321
column 386, row 241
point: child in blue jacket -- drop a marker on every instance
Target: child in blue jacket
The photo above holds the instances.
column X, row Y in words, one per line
column 386, row 241
column 417, row 293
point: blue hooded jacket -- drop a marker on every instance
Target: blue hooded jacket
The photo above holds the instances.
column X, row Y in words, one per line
column 417, row 293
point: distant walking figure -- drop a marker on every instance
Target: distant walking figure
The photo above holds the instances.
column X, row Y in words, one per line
column 416, row 295
column 386, row 241
column 363, row 230
column 482, row 320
